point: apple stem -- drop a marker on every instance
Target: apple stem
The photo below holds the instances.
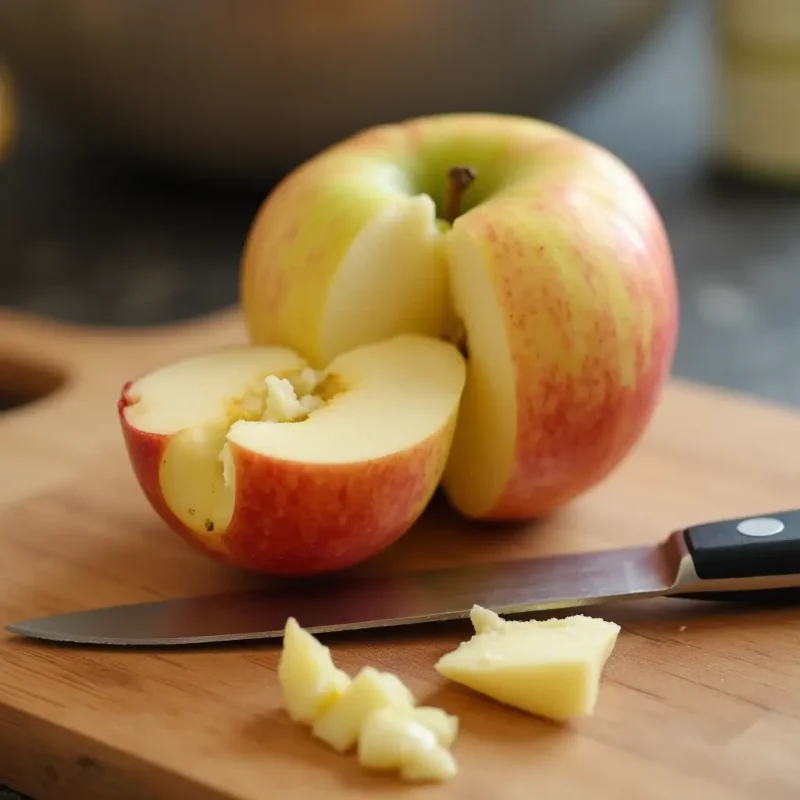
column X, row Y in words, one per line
column 459, row 179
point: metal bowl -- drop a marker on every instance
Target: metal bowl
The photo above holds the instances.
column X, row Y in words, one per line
column 245, row 87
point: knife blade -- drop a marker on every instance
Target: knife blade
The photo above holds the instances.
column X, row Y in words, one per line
column 726, row 559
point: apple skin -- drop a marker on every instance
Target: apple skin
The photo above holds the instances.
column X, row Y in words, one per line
column 591, row 317
column 145, row 453
column 294, row 519
column 579, row 266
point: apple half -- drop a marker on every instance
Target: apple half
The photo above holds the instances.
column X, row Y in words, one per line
column 538, row 252
column 274, row 467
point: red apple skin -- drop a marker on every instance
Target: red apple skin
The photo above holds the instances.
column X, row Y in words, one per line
column 574, row 429
column 145, row 453
column 293, row 519
column 298, row 519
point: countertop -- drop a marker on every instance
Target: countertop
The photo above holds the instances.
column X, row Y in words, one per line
column 99, row 240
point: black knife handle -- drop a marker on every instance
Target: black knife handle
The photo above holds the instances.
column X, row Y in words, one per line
column 747, row 547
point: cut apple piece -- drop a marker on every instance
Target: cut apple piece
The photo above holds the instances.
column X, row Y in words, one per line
column 369, row 691
column 393, row 735
column 388, row 735
column 444, row 726
column 392, row 738
column 371, row 253
column 550, row 668
column 309, row 680
column 375, row 711
column 273, row 467
column 429, row 764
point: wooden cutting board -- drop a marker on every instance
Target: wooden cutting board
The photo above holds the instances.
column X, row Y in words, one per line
column 698, row 700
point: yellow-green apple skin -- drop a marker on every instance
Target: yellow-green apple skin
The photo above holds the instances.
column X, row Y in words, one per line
column 558, row 268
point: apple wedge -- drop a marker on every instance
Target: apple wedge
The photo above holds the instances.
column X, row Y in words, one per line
column 269, row 465
column 538, row 252
column 550, row 668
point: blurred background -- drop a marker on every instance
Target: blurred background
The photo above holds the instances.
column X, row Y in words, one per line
column 140, row 136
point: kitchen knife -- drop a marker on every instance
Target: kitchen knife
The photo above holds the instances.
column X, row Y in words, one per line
column 728, row 559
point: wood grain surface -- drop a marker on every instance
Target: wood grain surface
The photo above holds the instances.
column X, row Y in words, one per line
column 698, row 700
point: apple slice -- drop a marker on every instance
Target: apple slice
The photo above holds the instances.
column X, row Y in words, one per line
column 268, row 465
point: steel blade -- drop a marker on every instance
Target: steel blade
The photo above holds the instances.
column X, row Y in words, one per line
column 351, row 602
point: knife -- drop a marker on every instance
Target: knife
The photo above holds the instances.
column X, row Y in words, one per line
column 734, row 559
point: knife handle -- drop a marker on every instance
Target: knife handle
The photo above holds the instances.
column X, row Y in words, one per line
column 747, row 547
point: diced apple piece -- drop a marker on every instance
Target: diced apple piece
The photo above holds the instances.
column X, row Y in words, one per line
column 444, row 726
column 550, row 668
column 392, row 738
column 309, row 680
column 388, row 735
column 382, row 730
column 369, row 691
column 435, row 764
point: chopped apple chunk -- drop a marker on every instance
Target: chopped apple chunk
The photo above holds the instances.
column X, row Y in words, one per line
column 550, row 668
column 444, row 726
column 375, row 712
column 396, row 739
column 370, row 690
column 434, row 764
column 309, row 680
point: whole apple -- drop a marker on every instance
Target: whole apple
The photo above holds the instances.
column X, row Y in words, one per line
column 538, row 252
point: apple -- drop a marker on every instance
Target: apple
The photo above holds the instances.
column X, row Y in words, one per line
column 269, row 465
column 374, row 712
column 550, row 668
column 538, row 252
column 310, row 682
column 370, row 690
column 391, row 738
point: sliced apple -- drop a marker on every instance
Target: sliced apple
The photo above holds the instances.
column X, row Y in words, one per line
column 266, row 464
column 552, row 270
column 365, row 263
column 550, row 668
